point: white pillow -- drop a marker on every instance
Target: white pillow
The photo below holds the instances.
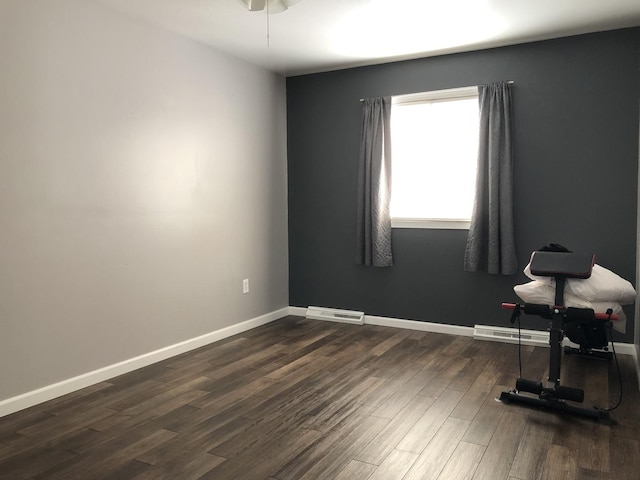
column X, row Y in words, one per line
column 602, row 286
column 543, row 293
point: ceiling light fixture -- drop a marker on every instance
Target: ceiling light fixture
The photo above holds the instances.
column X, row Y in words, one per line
column 268, row 6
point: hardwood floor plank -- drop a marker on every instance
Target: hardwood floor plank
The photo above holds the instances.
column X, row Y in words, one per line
column 624, row 458
column 590, row 439
column 477, row 393
column 560, row 463
column 426, row 427
column 65, row 423
column 11, row 424
column 463, row 462
column 147, row 411
column 121, row 397
column 325, row 448
column 183, row 470
column 457, row 346
column 262, row 462
column 407, row 356
column 355, row 470
column 406, row 372
column 233, row 370
column 292, row 366
column 199, row 443
column 308, row 340
column 390, row 342
column 171, row 398
column 109, row 457
column 336, row 454
column 79, row 441
column 206, row 420
column 395, row 403
column 486, row 420
column 337, row 408
column 480, row 362
column 532, row 450
column 586, row 474
column 447, row 371
column 392, row 434
column 437, row 453
column 394, row 467
column 218, row 401
column 32, row 462
column 501, row 451
column 13, row 445
column 132, row 469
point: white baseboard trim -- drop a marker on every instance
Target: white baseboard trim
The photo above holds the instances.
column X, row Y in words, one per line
column 298, row 311
column 417, row 325
column 621, row 348
column 49, row 392
column 401, row 323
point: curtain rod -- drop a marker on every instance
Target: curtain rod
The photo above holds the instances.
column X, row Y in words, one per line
column 509, row 82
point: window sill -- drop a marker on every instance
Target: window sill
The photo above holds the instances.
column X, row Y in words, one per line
column 441, row 223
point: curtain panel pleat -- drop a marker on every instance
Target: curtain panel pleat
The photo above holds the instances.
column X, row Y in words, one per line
column 374, row 185
column 491, row 243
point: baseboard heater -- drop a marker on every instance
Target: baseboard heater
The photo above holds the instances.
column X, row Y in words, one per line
column 335, row 315
column 510, row 335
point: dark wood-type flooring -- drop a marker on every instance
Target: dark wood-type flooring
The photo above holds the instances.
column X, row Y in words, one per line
column 302, row 399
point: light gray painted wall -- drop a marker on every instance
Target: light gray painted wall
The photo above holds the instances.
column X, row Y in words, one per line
column 142, row 177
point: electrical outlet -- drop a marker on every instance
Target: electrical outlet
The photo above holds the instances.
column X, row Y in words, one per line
column 245, row 285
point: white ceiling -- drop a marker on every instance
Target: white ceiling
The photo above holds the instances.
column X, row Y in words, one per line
column 321, row 35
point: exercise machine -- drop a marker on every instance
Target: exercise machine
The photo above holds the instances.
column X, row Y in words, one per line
column 582, row 325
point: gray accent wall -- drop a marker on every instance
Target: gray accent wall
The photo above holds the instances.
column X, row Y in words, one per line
column 576, row 177
column 142, row 178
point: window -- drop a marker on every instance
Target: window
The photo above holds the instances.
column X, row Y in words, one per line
column 434, row 137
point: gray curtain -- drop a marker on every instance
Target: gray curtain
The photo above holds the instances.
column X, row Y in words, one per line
column 374, row 185
column 490, row 244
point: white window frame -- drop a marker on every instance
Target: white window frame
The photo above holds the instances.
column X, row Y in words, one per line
column 433, row 96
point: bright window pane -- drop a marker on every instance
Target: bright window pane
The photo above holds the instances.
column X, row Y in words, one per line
column 435, row 147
